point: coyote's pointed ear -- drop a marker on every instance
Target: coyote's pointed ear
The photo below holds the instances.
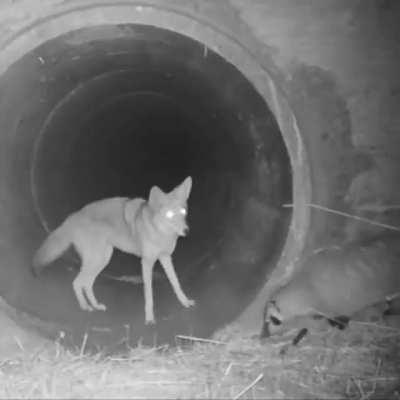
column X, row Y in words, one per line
column 183, row 190
column 156, row 196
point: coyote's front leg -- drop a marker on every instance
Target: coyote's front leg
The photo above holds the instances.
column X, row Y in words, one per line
column 169, row 269
column 147, row 272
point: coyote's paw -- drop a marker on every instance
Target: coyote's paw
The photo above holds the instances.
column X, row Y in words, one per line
column 84, row 305
column 188, row 303
column 100, row 307
column 149, row 317
column 150, row 321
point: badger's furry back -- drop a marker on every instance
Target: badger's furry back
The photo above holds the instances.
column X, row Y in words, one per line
column 338, row 282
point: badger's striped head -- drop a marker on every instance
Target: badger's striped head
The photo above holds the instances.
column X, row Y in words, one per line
column 272, row 320
column 286, row 306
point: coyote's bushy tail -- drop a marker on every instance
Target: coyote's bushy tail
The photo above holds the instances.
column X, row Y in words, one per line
column 55, row 244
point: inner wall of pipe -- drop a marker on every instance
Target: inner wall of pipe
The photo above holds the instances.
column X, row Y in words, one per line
column 112, row 111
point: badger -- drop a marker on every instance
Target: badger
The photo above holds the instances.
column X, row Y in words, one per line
column 335, row 283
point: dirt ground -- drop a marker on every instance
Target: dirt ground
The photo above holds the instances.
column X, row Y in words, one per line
column 361, row 362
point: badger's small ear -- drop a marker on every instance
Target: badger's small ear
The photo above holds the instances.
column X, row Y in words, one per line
column 156, row 196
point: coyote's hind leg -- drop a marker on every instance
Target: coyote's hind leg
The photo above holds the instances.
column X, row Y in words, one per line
column 83, row 283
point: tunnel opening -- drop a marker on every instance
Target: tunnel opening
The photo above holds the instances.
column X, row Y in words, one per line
column 111, row 111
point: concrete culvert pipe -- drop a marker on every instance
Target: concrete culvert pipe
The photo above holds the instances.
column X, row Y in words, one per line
column 99, row 109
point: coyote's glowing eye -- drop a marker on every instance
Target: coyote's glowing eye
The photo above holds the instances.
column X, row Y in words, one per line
column 183, row 211
column 169, row 214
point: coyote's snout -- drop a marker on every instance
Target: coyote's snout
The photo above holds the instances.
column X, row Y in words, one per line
column 148, row 229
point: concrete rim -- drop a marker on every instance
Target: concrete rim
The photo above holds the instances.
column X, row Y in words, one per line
column 73, row 18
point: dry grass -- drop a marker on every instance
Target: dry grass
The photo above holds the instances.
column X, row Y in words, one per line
column 362, row 362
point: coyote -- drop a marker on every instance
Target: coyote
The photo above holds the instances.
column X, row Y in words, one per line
column 148, row 229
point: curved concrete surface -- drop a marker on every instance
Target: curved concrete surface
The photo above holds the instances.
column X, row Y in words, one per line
column 263, row 103
column 113, row 109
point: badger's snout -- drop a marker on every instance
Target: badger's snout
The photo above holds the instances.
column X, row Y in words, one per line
column 265, row 331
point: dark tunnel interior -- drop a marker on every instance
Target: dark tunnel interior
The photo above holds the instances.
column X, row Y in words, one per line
column 111, row 111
